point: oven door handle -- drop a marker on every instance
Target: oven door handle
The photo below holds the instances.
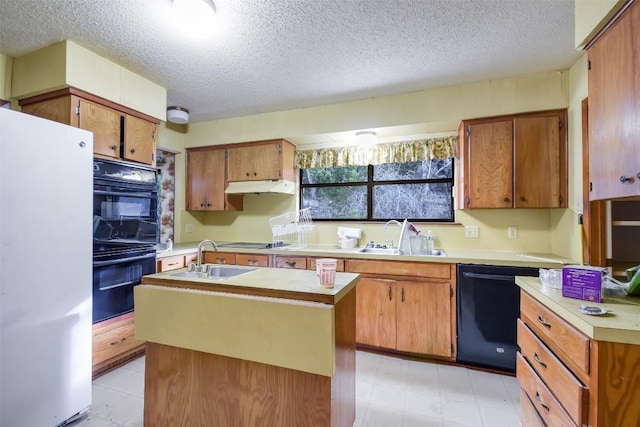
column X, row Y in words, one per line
column 117, row 285
column 123, row 260
column 124, row 194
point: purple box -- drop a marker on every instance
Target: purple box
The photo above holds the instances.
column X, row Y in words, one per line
column 583, row 282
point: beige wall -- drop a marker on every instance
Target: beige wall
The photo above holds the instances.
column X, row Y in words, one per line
column 67, row 64
column 539, row 230
column 590, row 17
column 6, row 65
column 566, row 233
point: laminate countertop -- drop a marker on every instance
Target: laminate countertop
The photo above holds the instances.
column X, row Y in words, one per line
column 301, row 285
column 454, row 256
column 621, row 324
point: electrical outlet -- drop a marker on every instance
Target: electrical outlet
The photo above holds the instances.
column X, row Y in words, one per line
column 512, row 232
column 188, row 228
column 471, row 231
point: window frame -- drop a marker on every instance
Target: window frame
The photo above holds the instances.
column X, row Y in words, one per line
column 370, row 184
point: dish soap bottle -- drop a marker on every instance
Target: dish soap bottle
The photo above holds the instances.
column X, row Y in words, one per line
column 431, row 241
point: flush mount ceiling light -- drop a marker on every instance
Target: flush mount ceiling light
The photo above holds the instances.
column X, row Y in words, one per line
column 195, row 17
column 366, row 138
column 177, row 115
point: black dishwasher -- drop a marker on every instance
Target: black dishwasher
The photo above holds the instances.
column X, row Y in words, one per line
column 488, row 305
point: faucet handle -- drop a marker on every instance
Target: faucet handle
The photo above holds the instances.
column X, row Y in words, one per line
column 370, row 244
column 191, row 266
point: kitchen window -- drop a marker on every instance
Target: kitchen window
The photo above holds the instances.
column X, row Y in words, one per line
column 417, row 190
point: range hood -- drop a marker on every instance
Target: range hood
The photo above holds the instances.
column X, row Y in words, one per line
column 261, row 187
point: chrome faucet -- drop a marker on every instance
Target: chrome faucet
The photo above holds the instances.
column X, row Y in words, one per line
column 403, row 240
column 399, row 224
column 201, row 247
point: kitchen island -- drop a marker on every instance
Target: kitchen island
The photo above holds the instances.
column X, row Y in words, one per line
column 268, row 347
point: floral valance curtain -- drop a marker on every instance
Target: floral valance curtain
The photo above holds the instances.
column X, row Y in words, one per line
column 397, row 152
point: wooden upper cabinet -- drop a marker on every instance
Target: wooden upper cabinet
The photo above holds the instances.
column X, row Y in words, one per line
column 516, row 161
column 537, row 158
column 105, row 125
column 262, row 160
column 118, row 131
column 205, row 182
column 139, row 140
column 490, row 165
column 614, row 109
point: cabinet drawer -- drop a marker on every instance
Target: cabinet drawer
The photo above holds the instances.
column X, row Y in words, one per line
column 296, row 262
column 562, row 383
column 252, row 259
column 400, row 268
column 570, row 344
column 529, row 417
column 115, row 342
column 212, row 257
column 311, row 264
column 171, row 263
column 546, row 405
column 190, row 258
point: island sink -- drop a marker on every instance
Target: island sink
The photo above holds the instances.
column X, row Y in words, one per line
column 216, row 272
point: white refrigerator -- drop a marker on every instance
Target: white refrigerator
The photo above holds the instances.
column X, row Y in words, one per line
column 46, row 205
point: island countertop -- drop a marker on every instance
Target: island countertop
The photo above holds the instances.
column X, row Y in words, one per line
column 301, row 285
column 621, row 325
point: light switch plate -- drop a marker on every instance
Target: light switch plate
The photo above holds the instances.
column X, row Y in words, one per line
column 471, row 231
column 512, row 232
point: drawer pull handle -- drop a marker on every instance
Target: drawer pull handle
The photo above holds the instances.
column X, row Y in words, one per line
column 402, row 294
column 389, row 293
column 290, row 263
column 117, row 342
column 544, row 322
column 252, row 261
column 537, row 359
column 222, row 260
column 539, row 400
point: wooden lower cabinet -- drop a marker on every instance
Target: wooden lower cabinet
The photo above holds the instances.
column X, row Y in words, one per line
column 284, row 261
column 214, row 257
column 114, row 343
column 175, row 262
column 406, row 314
column 255, row 260
column 570, row 379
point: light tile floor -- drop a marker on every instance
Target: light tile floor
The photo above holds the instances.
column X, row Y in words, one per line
column 390, row 392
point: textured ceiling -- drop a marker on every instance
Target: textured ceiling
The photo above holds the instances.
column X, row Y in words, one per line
column 270, row 55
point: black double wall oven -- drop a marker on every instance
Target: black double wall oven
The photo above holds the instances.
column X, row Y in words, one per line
column 125, row 232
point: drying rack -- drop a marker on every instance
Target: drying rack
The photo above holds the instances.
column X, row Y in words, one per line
column 292, row 228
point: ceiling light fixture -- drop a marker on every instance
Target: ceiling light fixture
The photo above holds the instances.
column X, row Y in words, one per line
column 177, row 115
column 195, row 17
column 366, row 138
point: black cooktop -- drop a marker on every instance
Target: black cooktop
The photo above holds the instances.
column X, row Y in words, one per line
column 252, row 245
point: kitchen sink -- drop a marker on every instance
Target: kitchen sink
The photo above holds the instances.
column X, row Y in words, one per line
column 379, row 251
column 433, row 252
column 216, row 272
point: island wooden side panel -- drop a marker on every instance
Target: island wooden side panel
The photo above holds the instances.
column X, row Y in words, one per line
column 343, row 382
column 190, row 388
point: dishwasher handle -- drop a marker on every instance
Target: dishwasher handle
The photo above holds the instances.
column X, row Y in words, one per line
column 507, row 278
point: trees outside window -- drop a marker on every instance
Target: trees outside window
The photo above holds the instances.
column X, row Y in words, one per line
column 419, row 191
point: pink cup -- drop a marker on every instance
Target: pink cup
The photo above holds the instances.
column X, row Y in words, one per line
column 326, row 272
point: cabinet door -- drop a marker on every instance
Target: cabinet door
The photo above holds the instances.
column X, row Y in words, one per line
column 537, row 152
column 105, row 125
column 423, row 318
column 60, row 110
column 489, row 175
column 614, row 109
column 139, row 140
column 376, row 312
column 253, row 163
column 205, row 180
